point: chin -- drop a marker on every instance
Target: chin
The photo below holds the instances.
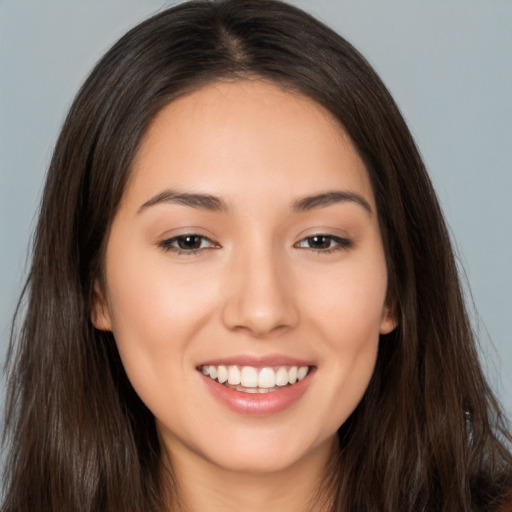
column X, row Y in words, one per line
column 268, row 454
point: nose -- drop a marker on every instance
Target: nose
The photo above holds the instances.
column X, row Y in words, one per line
column 260, row 299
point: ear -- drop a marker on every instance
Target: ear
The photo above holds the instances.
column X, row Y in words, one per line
column 100, row 314
column 389, row 320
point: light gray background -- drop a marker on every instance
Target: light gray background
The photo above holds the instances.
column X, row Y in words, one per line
column 448, row 64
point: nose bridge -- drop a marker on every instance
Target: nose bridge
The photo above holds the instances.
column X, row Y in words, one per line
column 259, row 300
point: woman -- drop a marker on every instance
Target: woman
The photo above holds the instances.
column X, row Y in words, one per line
column 243, row 295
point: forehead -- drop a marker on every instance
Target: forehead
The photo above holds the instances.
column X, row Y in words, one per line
column 237, row 137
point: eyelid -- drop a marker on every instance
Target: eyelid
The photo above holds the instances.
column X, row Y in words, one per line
column 167, row 243
column 342, row 243
column 170, row 243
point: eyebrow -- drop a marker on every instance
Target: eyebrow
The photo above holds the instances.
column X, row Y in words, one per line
column 215, row 204
column 329, row 198
column 202, row 201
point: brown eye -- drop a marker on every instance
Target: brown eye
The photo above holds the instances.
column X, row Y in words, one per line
column 324, row 243
column 188, row 243
column 320, row 242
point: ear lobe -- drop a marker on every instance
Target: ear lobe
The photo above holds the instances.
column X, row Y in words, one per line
column 388, row 321
column 100, row 315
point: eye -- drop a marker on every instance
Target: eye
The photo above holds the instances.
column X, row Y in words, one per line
column 189, row 243
column 324, row 243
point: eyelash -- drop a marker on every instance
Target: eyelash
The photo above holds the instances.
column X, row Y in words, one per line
column 172, row 244
column 167, row 245
column 340, row 244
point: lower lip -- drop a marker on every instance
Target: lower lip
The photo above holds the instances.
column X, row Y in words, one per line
column 258, row 404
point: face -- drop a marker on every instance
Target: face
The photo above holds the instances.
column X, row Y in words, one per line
column 245, row 277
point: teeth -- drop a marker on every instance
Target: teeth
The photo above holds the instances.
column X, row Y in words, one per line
column 234, row 376
column 266, row 378
column 292, row 375
column 303, row 371
column 222, row 374
column 249, row 377
column 281, row 377
column 254, row 380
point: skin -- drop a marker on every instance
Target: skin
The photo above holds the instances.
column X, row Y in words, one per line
column 257, row 286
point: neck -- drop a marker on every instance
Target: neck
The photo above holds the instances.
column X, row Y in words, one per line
column 298, row 488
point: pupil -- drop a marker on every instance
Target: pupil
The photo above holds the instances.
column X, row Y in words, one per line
column 320, row 242
column 189, row 242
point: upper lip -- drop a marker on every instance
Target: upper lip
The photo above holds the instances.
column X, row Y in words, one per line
column 257, row 361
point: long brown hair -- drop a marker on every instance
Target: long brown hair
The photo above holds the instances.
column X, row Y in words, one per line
column 428, row 434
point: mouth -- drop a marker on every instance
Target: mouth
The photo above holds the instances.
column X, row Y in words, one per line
column 254, row 380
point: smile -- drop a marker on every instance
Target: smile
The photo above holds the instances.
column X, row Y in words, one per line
column 249, row 379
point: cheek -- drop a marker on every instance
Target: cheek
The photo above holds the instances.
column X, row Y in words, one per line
column 149, row 296
column 348, row 303
column 155, row 314
column 346, row 309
